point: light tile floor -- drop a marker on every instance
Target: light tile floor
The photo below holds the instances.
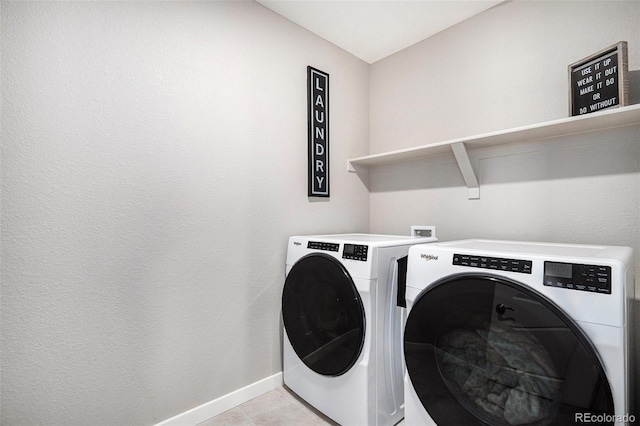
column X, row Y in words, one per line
column 279, row 407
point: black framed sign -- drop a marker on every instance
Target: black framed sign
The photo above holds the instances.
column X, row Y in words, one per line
column 318, row 123
column 599, row 81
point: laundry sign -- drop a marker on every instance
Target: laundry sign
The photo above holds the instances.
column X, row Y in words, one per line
column 599, row 81
column 318, row 122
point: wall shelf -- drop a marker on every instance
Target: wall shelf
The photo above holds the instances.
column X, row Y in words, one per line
column 607, row 119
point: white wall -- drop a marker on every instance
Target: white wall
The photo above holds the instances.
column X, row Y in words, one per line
column 153, row 166
column 505, row 68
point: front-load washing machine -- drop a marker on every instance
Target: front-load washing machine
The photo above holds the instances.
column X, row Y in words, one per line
column 518, row 333
column 342, row 325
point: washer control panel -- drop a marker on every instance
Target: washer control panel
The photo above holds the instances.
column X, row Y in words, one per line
column 317, row 245
column 497, row 263
column 355, row 252
column 593, row 278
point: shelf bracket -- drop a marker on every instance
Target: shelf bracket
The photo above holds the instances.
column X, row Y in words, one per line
column 468, row 174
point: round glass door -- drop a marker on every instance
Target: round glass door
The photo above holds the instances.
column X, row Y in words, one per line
column 323, row 314
column 483, row 349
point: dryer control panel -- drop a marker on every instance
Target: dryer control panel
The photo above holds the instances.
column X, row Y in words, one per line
column 355, row 252
column 593, row 278
column 349, row 251
column 317, row 245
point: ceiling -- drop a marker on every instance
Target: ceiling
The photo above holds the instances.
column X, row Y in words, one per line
column 375, row 29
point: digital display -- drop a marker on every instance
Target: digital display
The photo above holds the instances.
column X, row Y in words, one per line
column 355, row 252
column 561, row 270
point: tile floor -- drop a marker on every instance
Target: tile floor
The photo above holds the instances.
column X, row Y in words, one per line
column 280, row 407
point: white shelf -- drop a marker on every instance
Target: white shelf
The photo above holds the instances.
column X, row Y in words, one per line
column 607, row 119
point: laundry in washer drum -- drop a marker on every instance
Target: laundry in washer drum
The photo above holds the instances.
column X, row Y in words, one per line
column 499, row 371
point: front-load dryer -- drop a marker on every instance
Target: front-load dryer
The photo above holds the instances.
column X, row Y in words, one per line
column 518, row 333
column 342, row 325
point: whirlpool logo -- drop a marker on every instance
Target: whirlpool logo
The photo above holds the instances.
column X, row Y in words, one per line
column 428, row 257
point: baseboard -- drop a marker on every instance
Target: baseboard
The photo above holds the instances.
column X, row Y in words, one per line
column 220, row 405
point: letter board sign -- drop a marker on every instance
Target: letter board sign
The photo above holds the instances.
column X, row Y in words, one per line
column 599, row 81
column 318, row 122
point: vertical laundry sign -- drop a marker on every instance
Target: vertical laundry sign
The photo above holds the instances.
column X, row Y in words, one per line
column 318, row 122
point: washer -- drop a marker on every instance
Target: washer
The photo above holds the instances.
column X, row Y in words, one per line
column 342, row 326
column 514, row 333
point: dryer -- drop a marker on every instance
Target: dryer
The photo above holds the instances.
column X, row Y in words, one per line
column 515, row 333
column 342, row 325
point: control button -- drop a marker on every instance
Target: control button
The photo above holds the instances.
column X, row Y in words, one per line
column 516, row 266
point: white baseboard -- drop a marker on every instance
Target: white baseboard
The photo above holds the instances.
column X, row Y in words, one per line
column 220, row 405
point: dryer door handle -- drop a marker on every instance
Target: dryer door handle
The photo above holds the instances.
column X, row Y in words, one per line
column 402, row 282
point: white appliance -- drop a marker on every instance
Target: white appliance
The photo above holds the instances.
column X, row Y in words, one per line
column 342, row 325
column 514, row 333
